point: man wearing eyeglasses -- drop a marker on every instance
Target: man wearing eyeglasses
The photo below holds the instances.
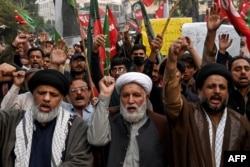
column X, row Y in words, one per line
column 79, row 95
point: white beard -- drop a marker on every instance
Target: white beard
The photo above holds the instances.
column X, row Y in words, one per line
column 135, row 116
column 43, row 117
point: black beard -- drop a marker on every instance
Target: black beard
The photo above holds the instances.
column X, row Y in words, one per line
column 212, row 110
column 77, row 72
column 239, row 86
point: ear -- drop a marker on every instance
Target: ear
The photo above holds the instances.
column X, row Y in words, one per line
column 147, row 97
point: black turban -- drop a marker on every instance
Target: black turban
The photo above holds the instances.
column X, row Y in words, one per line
column 49, row 77
column 210, row 69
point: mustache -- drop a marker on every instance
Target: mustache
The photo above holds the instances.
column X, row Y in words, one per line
column 216, row 97
column 131, row 106
column 79, row 98
column 79, row 66
column 243, row 77
column 44, row 105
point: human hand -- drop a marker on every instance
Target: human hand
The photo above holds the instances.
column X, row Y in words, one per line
column 94, row 101
column 214, row 19
column 98, row 41
column 19, row 77
column 177, row 49
column 107, row 85
column 43, row 37
column 20, row 38
column 156, row 44
column 58, row 56
column 6, row 71
column 190, row 44
column 224, row 43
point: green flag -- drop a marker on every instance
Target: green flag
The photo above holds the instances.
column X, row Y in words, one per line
column 94, row 29
column 66, row 23
column 107, row 43
column 23, row 18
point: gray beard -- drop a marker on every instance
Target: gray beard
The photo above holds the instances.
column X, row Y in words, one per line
column 44, row 117
column 135, row 116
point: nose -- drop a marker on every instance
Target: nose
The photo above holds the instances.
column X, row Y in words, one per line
column 243, row 71
column 131, row 100
column 217, row 89
column 47, row 97
column 78, row 91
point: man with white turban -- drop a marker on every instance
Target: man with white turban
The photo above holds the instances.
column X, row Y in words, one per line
column 130, row 137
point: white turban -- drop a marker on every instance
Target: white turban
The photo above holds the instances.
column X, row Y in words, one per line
column 134, row 77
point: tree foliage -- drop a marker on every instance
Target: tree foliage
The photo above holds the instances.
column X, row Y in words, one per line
column 188, row 8
column 7, row 18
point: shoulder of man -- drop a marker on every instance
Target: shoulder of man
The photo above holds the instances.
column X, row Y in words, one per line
column 11, row 117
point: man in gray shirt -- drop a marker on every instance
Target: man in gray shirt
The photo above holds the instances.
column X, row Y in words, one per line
column 134, row 134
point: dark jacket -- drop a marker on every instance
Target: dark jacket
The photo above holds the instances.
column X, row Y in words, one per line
column 78, row 151
column 189, row 136
column 151, row 141
column 237, row 103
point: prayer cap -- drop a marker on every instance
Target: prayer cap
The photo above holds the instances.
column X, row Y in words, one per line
column 134, row 77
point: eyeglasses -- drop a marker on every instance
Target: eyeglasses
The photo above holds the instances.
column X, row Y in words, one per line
column 119, row 70
column 75, row 90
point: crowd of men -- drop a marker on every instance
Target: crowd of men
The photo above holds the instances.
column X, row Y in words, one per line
column 184, row 110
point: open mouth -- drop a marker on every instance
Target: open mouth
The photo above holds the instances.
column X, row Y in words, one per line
column 45, row 108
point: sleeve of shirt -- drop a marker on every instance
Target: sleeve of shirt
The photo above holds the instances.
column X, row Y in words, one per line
column 99, row 132
column 172, row 93
column 11, row 99
column 208, row 56
column 8, row 55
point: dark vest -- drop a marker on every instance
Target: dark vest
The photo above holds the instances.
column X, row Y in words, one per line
column 151, row 151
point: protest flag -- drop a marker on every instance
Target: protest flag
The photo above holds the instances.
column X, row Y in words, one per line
column 235, row 19
column 113, row 32
column 84, row 15
column 245, row 12
column 94, row 29
column 22, row 18
column 66, row 23
column 134, row 24
column 160, row 11
column 149, row 29
column 148, row 2
column 107, row 42
column 110, row 30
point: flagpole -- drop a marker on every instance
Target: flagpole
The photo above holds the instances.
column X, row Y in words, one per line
column 84, row 52
column 170, row 15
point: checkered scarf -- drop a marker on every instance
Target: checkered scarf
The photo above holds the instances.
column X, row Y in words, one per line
column 24, row 133
column 219, row 136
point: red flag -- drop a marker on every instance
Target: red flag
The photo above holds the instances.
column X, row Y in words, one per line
column 160, row 11
column 243, row 3
column 235, row 19
column 244, row 10
column 137, row 11
column 134, row 25
column 20, row 20
column 113, row 33
column 84, row 19
column 148, row 2
column 223, row 13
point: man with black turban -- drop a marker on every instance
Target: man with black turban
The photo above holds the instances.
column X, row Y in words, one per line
column 45, row 134
column 201, row 132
